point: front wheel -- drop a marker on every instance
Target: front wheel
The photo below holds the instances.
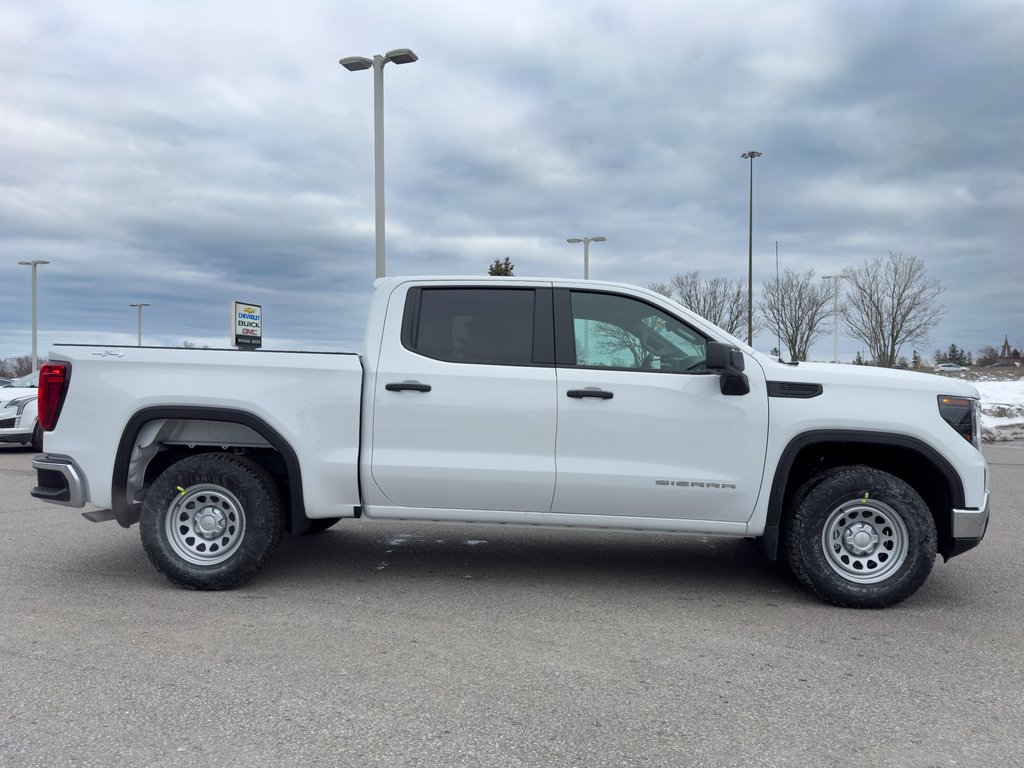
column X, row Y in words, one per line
column 859, row 537
column 211, row 521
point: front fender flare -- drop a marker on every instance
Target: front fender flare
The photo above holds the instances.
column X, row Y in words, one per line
column 770, row 538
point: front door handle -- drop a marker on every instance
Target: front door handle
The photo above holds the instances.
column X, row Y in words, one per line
column 601, row 394
column 401, row 386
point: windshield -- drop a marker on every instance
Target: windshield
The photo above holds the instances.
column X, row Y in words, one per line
column 32, row 380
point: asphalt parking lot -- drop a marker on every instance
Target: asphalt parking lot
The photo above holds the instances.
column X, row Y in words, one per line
column 399, row 644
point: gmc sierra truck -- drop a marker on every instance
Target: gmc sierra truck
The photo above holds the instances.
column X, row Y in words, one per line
column 530, row 402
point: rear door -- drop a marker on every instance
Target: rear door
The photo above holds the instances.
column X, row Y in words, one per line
column 464, row 408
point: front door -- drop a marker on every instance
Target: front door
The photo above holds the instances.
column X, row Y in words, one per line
column 643, row 428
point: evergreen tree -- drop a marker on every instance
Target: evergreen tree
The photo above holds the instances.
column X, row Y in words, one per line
column 501, row 268
column 915, row 360
column 956, row 355
column 859, row 359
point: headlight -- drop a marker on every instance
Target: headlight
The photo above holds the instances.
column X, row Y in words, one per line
column 20, row 403
column 964, row 415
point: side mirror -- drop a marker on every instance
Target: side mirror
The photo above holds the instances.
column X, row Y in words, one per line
column 727, row 362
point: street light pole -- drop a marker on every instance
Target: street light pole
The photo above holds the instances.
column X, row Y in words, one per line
column 586, row 250
column 750, row 251
column 140, row 306
column 356, row 64
column 835, row 309
column 34, row 263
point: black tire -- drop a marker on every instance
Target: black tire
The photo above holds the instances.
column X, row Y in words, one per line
column 319, row 525
column 859, row 537
column 37, row 438
column 211, row 521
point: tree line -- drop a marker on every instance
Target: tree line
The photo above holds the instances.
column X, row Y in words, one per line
column 16, row 367
column 887, row 303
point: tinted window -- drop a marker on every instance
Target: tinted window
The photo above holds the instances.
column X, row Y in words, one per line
column 476, row 325
column 620, row 332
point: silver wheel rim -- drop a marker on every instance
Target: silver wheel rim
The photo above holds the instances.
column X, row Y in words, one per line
column 865, row 541
column 205, row 524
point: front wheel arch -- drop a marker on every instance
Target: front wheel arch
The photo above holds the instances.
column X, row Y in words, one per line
column 910, row 459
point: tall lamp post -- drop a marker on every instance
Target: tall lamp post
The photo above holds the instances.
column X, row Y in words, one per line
column 835, row 310
column 586, row 250
column 140, row 306
column 750, row 251
column 34, row 263
column 356, row 64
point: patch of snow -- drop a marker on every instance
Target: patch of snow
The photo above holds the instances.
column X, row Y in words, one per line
column 1002, row 409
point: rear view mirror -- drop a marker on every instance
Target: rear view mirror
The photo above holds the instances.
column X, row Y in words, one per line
column 724, row 357
column 727, row 362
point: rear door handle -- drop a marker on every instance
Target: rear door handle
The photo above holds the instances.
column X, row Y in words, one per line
column 401, row 386
column 601, row 394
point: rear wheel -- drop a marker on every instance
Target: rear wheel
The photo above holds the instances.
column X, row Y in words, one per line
column 211, row 521
column 37, row 438
column 860, row 537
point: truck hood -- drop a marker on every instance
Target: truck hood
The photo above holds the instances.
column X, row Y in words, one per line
column 866, row 376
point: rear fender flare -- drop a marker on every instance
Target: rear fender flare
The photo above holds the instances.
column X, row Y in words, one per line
column 127, row 510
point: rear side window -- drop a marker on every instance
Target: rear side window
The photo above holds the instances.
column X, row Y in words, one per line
column 473, row 325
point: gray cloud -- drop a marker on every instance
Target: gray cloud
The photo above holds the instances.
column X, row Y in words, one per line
column 192, row 154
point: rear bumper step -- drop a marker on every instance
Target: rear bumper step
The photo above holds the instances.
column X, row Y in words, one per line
column 60, row 481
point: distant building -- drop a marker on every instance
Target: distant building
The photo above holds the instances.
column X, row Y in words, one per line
column 1006, row 357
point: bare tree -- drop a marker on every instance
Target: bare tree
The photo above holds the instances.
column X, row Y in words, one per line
column 16, row 367
column 717, row 299
column 797, row 308
column 987, row 355
column 891, row 302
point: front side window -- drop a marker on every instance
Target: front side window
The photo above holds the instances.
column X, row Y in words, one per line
column 620, row 332
column 475, row 325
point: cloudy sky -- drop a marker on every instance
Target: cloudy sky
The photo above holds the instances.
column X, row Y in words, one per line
column 187, row 154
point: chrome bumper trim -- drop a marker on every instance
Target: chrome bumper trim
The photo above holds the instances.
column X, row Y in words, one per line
column 73, row 478
column 970, row 523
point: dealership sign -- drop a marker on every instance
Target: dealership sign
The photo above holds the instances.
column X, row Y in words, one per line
column 247, row 325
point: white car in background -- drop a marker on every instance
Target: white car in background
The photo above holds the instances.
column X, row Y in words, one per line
column 18, row 412
column 949, row 368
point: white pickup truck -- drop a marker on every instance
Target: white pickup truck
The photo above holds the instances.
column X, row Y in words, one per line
column 513, row 401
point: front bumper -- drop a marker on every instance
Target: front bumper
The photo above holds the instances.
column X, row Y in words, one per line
column 15, row 427
column 969, row 526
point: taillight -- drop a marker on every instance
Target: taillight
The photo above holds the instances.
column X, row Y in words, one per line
column 53, row 386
